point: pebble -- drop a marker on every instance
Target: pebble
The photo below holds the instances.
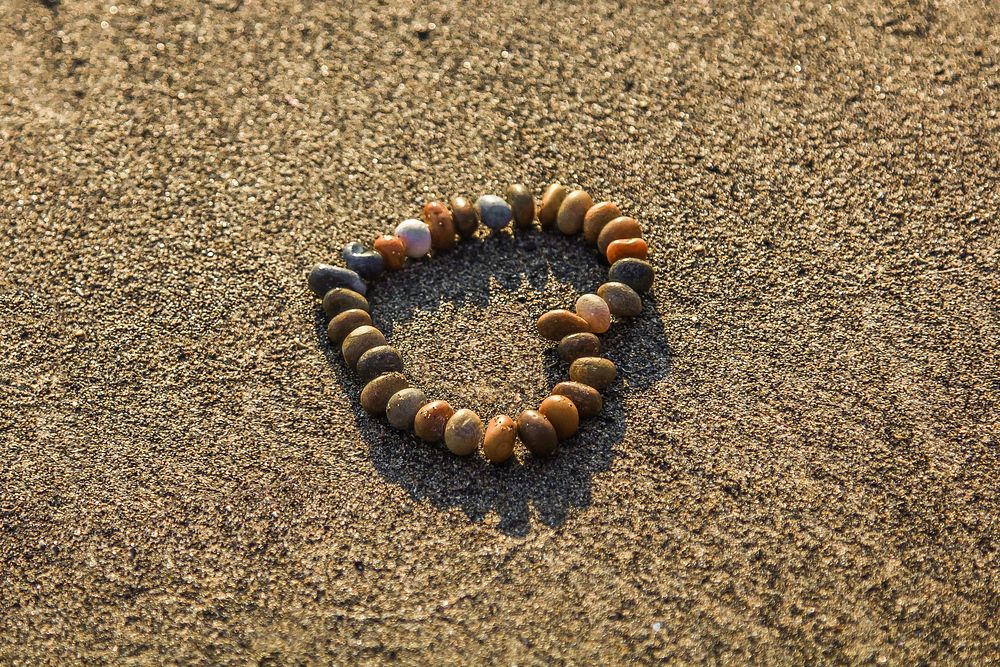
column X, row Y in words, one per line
column 323, row 278
column 636, row 273
column 340, row 299
column 463, row 432
column 376, row 394
column 537, row 433
column 498, row 444
column 622, row 300
column 623, row 248
column 366, row 263
column 360, row 341
column 622, row 227
column 557, row 324
column 562, row 414
column 431, row 420
column 595, row 311
column 439, row 220
column 597, row 217
column 378, row 361
column 595, row 372
column 346, row 322
column 403, row 407
column 465, row 216
column 393, row 251
column 493, row 211
column 577, row 345
column 587, row 400
column 572, row 211
column 416, row 237
column 552, row 199
column 522, row 205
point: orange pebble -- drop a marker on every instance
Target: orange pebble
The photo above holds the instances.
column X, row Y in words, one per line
column 392, row 250
column 627, row 248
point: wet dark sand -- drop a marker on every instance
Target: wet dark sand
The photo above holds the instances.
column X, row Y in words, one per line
column 799, row 464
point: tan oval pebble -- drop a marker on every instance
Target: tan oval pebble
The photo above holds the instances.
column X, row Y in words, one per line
column 588, row 400
column 430, row 422
column 577, row 345
column 403, row 407
column 498, row 443
column 622, row 227
column 562, row 414
column 376, row 394
column 557, row 324
column 595, row 311
column 360, row 341
column 463, row 432
column 596, row 372
column 572, row 211
column 378, row 361
column 552, row 199
column 340, row 299
column 345, row 323
column 537, row 433
column 622, row 300
column 597, row 217
column 522, row 205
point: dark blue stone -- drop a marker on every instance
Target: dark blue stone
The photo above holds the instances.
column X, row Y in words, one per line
column 323, row 278
column 366, row 263
column 635, row 273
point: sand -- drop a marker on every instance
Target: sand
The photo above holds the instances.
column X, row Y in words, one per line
column 800, row 461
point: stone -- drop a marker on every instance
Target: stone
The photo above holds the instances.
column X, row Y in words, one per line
column 360, row 341
column 416, row 237
column 557, row 324
column 537, row 433
column 340, row 299
column 552, row 199
column 323, row 278
column 522, row 206
column 403, row 407
column 595, row 372
column 636, row 273
column 376, row 394
column 393, row 251
column 595, row 311
column 378, row 361
column 431, row 420
column 597, row 217
column 622, row 227
column 439, row 220
column 622, row 300
column 572, row 211
column 587, row 400
column 465, row 217
column 366, row 263
column 494, row 212
column 577, row 345
column 623, row 248
column 463, row 432
column 346, row 322
column 562, row 414
column 498, row 443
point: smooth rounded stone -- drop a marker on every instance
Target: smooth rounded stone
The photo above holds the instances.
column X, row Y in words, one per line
column 623, row 248
column 562, row 414
column 498, row 443
column 537, row 433
column 366, row 263
column 431, row 420
column 522, row 205
column 465, row 217
column 416, row 237
column 595, row 311
column 557, row 324
column 376, row 394
column 552, row 199
column 572, row 211
column 622, row 227
column 439, row 220
column 393, row 251
column 340, row 299
column 323, row 278
column 595, row 372
column 587, row 400
column 403, row 407
column 463, row 432
column 494, row 212
column 346, row 322
column 597, row 217
column 577, row 345
column 360, row 341
column 378, row 361
column 636, row 273
column 622, row 300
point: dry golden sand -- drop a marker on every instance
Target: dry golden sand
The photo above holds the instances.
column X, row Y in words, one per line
column 798, row 464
